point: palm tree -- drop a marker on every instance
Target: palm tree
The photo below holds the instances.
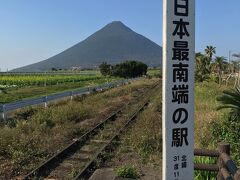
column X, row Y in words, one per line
column 231, row 100
column 219, row 65
column 210, row 51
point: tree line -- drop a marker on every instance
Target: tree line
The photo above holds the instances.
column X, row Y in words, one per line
column 208, row 66
column 127, row 69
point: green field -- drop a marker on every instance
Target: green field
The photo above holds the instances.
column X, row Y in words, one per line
column 154, row 72
column 16, row 80
column 17, row 87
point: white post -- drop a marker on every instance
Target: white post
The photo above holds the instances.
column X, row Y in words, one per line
column 45, row 102
column 178, row 89
column 71, row 95
column 3, row 113
column 88, row 90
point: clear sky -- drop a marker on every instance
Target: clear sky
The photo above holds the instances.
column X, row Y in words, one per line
column 33, row 30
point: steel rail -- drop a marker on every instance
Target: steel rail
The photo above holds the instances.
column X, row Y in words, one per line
column 71, row 147
column 86, row 171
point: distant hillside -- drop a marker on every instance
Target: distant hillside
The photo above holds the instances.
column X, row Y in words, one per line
column 113, row 43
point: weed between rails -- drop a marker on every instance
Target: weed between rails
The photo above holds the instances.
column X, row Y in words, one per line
column 145, row 136
column 140, row 148
column 127, row 172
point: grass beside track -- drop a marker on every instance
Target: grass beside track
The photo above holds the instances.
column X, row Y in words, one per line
column 206, row 112
column 104, row 135
column 36, row 134
column 141, row 146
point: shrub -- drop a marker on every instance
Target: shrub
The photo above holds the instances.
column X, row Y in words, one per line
column 72, row 112
column 130, row 69
column 127, row 172
column 105, row 69
column 199, row 175
column 147, row 132
column 146, row 145
column 25, row 113
column 227, row 130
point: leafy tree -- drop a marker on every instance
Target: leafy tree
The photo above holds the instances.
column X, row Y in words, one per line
column 202, row 70
column 219, row 65
column 53, row 69
column 227, row 129
column 210, row 51
column 105, row 69
column 130, row 69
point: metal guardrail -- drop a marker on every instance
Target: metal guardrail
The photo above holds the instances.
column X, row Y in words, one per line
column 45, row 99
column 226, row 168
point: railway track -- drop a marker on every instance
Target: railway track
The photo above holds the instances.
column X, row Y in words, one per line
column 79, row 159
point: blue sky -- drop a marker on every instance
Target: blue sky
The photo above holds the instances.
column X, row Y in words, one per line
column 33, row 30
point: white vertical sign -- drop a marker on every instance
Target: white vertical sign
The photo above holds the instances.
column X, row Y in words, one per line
column 178, row 89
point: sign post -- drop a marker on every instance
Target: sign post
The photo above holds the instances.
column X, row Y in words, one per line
column 178, row 89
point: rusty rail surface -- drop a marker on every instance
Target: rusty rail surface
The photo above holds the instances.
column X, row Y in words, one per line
column 226, row 168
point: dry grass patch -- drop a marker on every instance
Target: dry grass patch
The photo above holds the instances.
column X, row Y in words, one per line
column 206, row 112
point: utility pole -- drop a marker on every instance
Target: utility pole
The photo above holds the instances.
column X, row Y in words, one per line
column 229, row 57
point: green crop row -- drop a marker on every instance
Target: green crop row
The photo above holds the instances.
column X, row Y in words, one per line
column 37, row 80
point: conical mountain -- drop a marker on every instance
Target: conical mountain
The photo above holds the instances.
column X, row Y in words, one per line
column 114, row 43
